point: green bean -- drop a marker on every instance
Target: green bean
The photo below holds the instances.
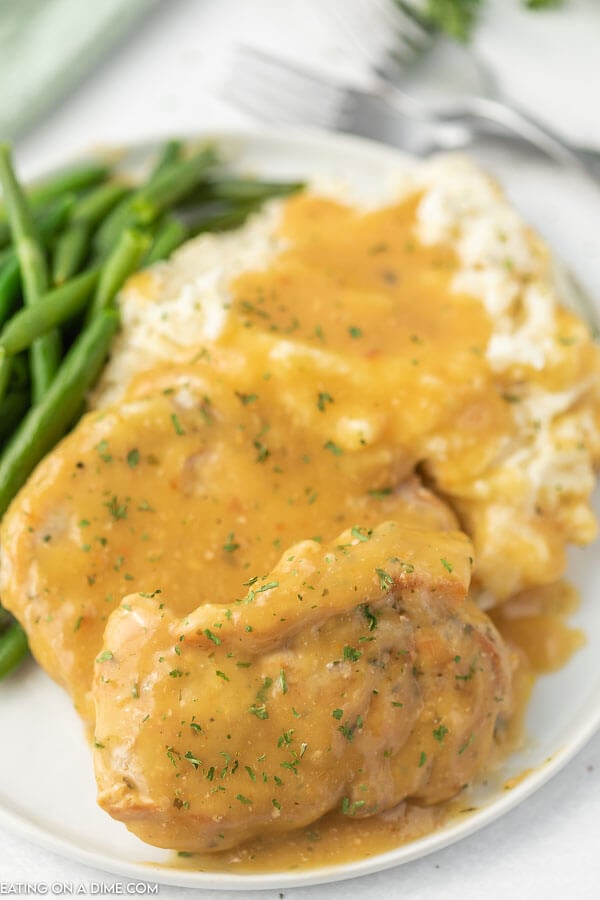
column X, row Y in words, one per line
column 24, row 231
column 237, row 190
column 5, row 237
column 19, row 376
column 47, row 422
column 171, row 185
column 54, row 217
column 123, row 215
column 72, row 180
column 112, row 228
column 93, row 207
column 248, row 189
column 10, row 281
column 12, row 410
column 72, row 246
column 52, row 310
column 5, row 373
column 70, row 252
column 45, row 353
column 45, row 356
column 124, row 259
column 222, row 218
column 170, row 153
column 56, row 187
column 174, row 231
column 10, row 272
column 170, row 235
column 13, row 649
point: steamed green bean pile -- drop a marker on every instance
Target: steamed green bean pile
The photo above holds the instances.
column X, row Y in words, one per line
column 67, row 245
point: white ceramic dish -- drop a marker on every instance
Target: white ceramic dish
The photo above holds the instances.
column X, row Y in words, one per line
column 47, row 790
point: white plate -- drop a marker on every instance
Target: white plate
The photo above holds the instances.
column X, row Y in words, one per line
column 47, row 790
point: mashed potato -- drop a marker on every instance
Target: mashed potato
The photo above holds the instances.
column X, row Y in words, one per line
column 460, row 354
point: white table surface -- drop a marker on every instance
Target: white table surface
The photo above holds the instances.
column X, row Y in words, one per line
column 164, row 81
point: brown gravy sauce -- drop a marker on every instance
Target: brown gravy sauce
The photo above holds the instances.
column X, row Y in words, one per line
column 535, row 622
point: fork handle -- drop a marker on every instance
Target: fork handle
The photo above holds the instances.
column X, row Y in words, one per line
column 525, row 126
column 473, row 110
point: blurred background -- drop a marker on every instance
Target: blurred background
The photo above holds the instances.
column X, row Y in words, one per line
column 79, row 73
column 82, row 75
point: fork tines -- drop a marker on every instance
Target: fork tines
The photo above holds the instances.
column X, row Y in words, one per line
column 383, row 33
column 278, row 91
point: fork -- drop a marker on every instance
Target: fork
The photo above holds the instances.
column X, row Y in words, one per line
column 278, row 91
column 391, row 34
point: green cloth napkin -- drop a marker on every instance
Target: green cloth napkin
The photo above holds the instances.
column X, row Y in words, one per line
column 46, row 46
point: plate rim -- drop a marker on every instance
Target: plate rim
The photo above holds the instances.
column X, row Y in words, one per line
column 458, row 830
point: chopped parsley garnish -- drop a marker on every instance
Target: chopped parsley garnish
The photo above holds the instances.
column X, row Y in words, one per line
column 380, row 493
column 355, row 332
column 469, row 675
column 323, row 399
column 440, row 733
column 116, row 509
column 333, row 448
column 171, row 754
column 466, row 744
column 133, row 458
column 370, row 617
column 104, row 656
column 348, row 731
column 103, row 453
column 283, row 682
column 285, row 738
column 211, row 636
column 337, row 713
column 262, row 693
column 446, row 564
column 385, row 579
column 349, row 808
column 270, row 585
column 230, row 545
column 263, row 452
column 350, row 653
column 246, row 399
column 193, row 759
column 177, row 425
